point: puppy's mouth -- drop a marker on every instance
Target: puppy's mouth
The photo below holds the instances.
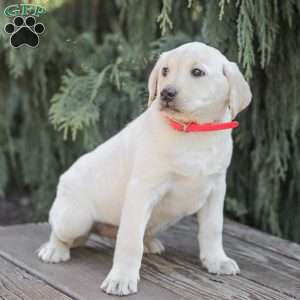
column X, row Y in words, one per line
column 169, row 107
column 172, row 110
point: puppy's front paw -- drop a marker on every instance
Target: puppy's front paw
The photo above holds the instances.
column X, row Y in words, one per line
column 153, row 246
column 120, row 283
column 220, row 265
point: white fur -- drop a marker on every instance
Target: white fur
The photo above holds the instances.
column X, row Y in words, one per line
column 149, row 176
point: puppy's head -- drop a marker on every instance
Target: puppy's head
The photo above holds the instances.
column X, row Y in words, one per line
column 196, row 82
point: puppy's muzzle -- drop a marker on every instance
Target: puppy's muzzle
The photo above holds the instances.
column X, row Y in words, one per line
column 167, row 96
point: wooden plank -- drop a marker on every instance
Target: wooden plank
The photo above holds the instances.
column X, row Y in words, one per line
column 262, row 239
column 181, row 273
column 16, row 284
column 81, row 277
column 253, row 236
column 177, row 272
column 258, row 265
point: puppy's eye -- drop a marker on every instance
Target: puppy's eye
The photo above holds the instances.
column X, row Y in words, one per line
column 197, row 72
column 165, row 71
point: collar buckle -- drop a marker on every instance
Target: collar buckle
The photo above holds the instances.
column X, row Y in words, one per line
column 185, row 126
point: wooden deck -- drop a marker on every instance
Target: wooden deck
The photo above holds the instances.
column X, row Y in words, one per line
column 270, row 267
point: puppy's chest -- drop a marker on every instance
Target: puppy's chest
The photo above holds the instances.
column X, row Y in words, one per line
column 186, row 196
column 200, row 162
column 194, row 172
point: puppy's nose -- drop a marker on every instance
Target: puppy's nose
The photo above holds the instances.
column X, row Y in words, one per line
column 168, row 94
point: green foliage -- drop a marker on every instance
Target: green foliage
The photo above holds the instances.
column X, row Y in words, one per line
column 163, row 19
column 74, row 107
column 88, row 78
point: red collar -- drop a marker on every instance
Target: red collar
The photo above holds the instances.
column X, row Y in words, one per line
column 196, row 127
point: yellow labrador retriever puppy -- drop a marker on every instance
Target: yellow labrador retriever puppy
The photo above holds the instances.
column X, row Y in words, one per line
column 168, row 163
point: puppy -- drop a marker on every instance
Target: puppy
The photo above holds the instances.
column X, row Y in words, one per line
column 151, row 174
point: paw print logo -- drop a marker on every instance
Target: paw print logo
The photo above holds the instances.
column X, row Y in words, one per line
column 24, row 31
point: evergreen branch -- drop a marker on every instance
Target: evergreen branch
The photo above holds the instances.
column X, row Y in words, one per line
column 222, row 8
column 74, row 108
column 163, row 19
column 245, row 37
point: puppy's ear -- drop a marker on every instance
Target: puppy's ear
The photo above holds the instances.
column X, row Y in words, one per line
column 239, row 90
column 153, row 80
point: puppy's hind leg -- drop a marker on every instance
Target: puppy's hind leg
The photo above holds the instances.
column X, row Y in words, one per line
column 54, row 251
column 153, row 245
column 68, row 227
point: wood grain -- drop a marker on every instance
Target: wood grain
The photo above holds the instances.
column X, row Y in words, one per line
column 179, row 270
column 81, row 277
column 263, row 240
column 16, row 284
column 271, row 269
column 268, row 272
